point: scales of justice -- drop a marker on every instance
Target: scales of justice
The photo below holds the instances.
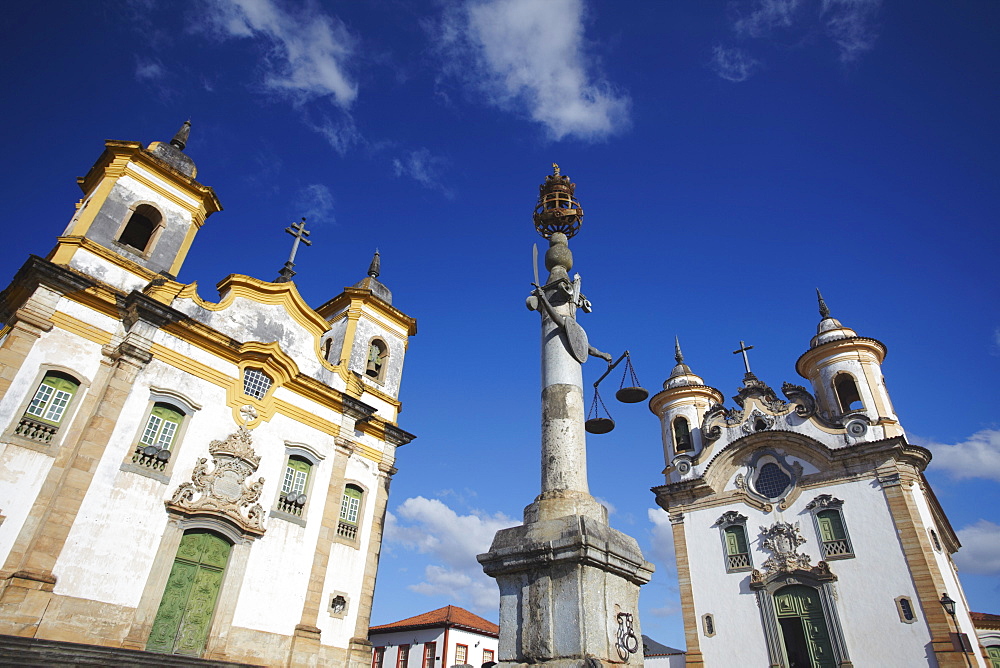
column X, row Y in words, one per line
column 569, row 583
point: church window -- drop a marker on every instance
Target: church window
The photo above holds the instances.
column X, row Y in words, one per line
column 708, row 625
column 378, row 657
column 350, row 510
column 429, row 649
column 256, row 383
column 294, row 484
column 737, row 548
column 847, row 393
column 833, row 535
column 158, row 436
column 378, row 355
column 139, row 230
column 47, row 408
column 772, row 482
column 682, row 435
column 403, row 658
column 904, row 606
column 327, row 349
column 461, row 654
column 934, row 539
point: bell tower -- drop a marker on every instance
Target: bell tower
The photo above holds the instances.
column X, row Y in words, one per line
column 140, row 212
column 845, row 371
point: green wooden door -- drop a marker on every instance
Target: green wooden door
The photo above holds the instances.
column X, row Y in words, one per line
column 993, row 652
column 182, row 621
column 803, row 628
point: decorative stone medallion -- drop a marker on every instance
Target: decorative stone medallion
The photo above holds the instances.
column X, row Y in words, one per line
column 222, row 489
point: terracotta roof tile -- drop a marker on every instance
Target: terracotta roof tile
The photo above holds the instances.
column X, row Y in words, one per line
column 985, row 617
column 450, row 615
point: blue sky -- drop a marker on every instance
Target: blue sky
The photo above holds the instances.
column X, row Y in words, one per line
column 730, row 157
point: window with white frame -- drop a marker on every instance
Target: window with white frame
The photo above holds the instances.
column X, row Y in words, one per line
column 488, row 656
column 378, row 656
column 429, row 649
column 256, row 383
column 294, row 484
column 48, row 407
column 350, row 509
column 733, row 528
column 158, row 436
column 461, row 654
column 828, row 517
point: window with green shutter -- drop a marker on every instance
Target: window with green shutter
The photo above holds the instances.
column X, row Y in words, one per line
column 350, row 509
column 47, row 408
column 832, row 534
column 161, row 427
column 294, row 485
column 52, row 398
column 737, row 552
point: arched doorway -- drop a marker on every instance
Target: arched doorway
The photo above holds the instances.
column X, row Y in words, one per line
column 185, row 613
column 804, row 632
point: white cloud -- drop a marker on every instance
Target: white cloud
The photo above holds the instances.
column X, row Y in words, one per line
column 851, row 24
column 529, row 56
column 976, row 457
column 980, row 553
column 733, row 64
column 315, row 202
column 340, row 133
column 307, row 53
column 149, row 70
column 766, row 15
column 430, row 527
column 423, row 167
column 662, row 539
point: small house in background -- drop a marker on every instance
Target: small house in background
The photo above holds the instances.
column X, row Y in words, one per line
column 656, row 655
column 448, row 636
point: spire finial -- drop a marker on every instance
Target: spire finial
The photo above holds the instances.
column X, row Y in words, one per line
column 678, row 355
column 181, row 138
column 555, row 169
column 376, row 266
column 824, row 312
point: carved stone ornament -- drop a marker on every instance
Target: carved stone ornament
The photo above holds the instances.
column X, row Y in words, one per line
column 713, row 422
column 805, row 403
column 757, row 421
column 758, row 389
column 824, row 501
column 222, row 489
column 729, row 518
column 782, row 540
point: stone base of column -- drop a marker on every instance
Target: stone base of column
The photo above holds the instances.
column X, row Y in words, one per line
column 569, row 592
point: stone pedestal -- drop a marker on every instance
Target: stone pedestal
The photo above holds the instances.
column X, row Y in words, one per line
column 569, row 591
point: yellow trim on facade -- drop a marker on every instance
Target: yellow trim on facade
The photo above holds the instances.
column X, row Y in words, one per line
column 182, row 252
column 67, row 247
column 193, row 208
column 191, row 366
column 80, row 328
column 305, row 417
column 100, row 190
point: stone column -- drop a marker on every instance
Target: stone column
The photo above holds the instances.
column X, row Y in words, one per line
column 569, row 583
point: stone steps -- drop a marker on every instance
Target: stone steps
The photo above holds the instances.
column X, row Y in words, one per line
column 32, row 652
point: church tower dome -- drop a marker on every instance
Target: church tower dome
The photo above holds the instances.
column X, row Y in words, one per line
column 845, row 371
column 681, row 407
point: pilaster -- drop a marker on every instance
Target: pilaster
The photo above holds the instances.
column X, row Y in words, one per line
column 55, row 510
column 898, row 484
column 693, row 654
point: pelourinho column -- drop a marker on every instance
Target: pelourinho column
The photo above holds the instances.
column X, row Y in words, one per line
column 569, row 583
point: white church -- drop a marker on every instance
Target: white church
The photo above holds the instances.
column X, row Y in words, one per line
column 805, row 531
column 185, row 474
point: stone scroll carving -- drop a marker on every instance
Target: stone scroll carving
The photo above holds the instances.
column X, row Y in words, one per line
column 221, row 489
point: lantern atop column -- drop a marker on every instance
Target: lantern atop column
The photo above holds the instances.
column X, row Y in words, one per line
column 557, row 209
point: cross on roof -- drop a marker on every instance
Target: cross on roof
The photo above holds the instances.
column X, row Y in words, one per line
column 297, row 230
column 743, row 349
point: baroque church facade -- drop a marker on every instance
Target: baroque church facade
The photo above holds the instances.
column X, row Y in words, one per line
column 187, row 476
column 806, row 534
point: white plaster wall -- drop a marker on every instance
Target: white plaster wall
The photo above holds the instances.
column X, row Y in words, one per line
column 366, row 329
column 415, row 639
column 87, row 263
column 867, row 585
column 122, row 517
column 671, row 661
column 469, row 638
column 23, row 471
